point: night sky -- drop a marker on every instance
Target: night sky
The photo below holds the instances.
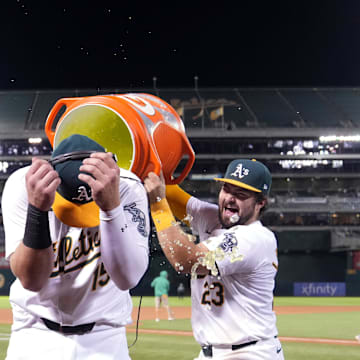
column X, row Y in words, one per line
column 122, row 44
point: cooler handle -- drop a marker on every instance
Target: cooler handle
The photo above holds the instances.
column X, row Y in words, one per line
column 171, row 145
column 52, row 115
column 187, row 150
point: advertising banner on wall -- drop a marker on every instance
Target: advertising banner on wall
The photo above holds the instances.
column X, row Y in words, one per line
column 356, row 260
column 319, row 289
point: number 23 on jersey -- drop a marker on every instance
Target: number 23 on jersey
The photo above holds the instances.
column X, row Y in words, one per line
column 213, row 294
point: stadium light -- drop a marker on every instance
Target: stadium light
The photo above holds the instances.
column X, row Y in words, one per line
column 35, row 140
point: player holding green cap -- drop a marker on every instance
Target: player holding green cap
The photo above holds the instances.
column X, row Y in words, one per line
column 76, row 235
column 233, row 267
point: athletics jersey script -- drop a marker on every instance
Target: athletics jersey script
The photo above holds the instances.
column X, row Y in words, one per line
column 81, row 247
column 77, row 250
column 79, row 281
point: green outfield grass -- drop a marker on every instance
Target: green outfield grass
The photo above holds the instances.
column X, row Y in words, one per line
column 155, row 347
column 4, row 302
column 343, row 325
column 179, row 324
column 316, row 301
column 148, row 301
column 298, row 351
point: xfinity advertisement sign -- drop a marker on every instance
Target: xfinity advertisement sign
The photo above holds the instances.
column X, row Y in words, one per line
column 320, row 289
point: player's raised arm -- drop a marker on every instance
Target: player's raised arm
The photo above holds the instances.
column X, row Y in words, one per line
column 124, row 223
column 179, row 247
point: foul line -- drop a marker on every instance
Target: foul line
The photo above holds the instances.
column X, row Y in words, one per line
column 282, row 338
column 319, row 340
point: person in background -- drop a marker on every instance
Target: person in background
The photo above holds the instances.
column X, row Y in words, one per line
column 161, row 286
column 180, row 291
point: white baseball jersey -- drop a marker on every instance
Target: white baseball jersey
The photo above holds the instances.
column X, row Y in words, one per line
column 234, row 307
column 79, row 290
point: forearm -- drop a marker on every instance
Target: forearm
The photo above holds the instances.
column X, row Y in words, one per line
column 123, row 251
column 177, row 246
column 183, row 254
column 32, row 261
column 32, row 266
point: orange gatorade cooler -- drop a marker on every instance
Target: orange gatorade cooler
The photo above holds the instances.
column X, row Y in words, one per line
column 144, row 132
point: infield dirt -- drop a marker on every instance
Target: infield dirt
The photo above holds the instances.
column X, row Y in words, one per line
column 184, row 312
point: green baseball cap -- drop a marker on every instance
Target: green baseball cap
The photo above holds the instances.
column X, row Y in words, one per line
column 74, row 204
column 248, row 174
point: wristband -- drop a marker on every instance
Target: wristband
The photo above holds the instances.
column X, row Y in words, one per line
column 177, row 199
column 37, row 231
column 162, row 215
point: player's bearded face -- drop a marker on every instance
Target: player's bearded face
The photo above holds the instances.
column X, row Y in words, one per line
column 236, row 206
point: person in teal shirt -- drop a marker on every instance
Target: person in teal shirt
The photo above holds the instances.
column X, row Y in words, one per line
column 161, row 286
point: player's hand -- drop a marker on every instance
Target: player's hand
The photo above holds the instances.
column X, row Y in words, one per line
column 155, row 187
column 104, row 180
column 41, row 184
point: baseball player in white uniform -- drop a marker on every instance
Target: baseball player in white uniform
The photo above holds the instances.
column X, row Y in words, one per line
column 233, row 267
column 71, row 296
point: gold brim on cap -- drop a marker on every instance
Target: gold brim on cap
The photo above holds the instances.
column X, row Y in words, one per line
column 76, row 215
column 238, row 183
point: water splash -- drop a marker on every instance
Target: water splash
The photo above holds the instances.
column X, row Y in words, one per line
column 189, row 218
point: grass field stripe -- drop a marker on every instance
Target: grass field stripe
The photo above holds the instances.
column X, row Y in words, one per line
column 319, row 341
column 162, row 332
column 282, row 338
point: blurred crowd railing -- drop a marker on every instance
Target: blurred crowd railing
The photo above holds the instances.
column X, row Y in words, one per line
column 203, row 108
